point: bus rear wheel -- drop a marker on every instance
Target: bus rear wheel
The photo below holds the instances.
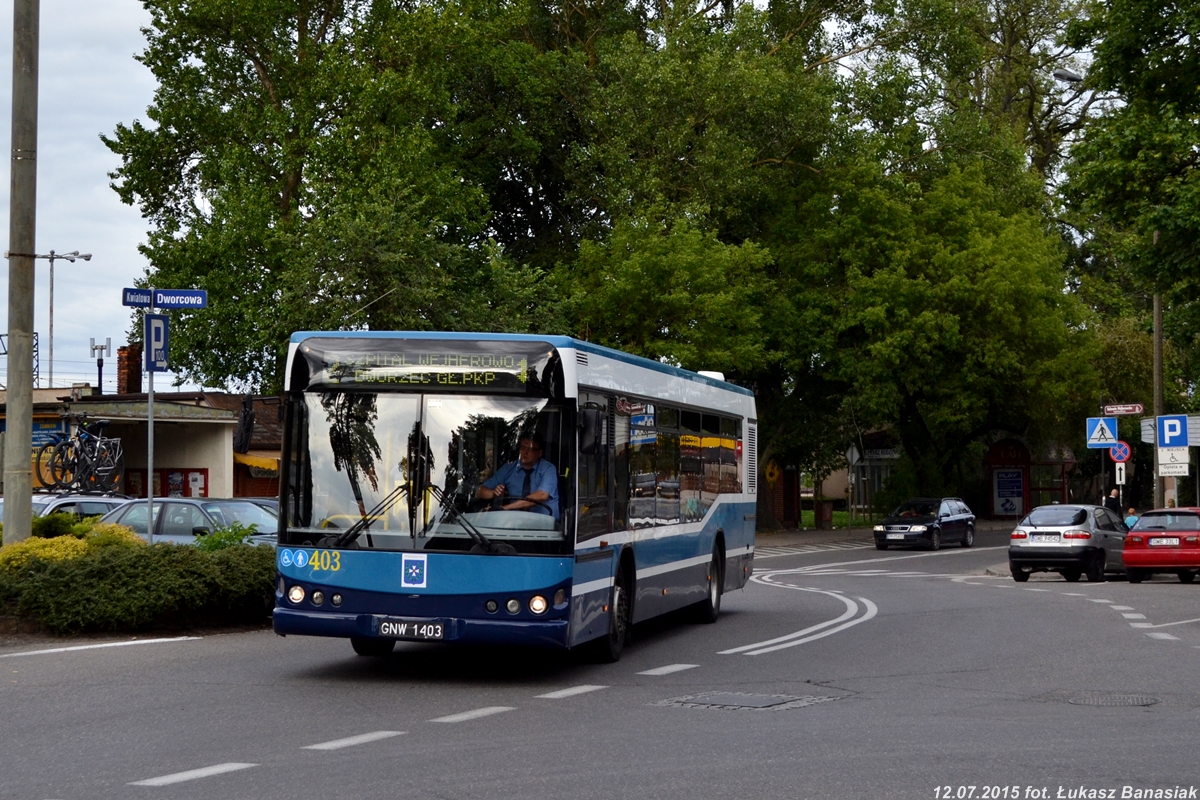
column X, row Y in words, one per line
column 370, row 646
column 708, row 609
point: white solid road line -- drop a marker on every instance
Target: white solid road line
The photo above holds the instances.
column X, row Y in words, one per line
column 476, row 714
column 192, row 774
column 851, row 610
column 667, row 670
column 571, row 692
column 350, row 741
column 98, row 646
column 872, row 610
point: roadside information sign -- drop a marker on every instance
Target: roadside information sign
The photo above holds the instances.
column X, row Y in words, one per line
column 1120, row 473
column 156, row 342
column 1101, row 432
column 1172, row 431
column 1119, row 452
column 1117, row 409
column 1172, row 461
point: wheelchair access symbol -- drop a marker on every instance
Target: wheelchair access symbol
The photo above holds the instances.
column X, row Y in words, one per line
column 1119, row 452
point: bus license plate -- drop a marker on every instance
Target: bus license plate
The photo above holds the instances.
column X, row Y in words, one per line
column 1165, row 540
column 419, row 629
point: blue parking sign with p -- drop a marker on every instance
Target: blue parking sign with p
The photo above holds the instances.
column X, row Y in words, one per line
column 156, row 342
column 1173, row 430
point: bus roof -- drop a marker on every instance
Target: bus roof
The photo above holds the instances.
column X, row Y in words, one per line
column 561, row 342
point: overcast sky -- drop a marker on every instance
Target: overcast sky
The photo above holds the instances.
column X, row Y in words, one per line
column 88, row 82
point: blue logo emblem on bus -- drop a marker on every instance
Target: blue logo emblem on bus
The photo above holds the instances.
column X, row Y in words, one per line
column 301, row 558
column 412, row 571
column 285, row 557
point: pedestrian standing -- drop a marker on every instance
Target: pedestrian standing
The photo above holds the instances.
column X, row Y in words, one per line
column 1131, row 518
column 1113, row 502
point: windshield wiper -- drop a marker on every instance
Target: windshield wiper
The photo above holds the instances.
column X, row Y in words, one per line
column 450, row 511
column 361, row 525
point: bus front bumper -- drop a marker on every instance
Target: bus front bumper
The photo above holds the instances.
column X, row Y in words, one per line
column 548, row 633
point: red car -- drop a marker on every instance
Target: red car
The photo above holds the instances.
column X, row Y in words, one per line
column 1164, row 540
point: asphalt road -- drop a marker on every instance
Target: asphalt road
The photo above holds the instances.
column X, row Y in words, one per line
column 840, row 672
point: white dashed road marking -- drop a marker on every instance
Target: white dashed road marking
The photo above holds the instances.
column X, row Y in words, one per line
column 571, row 692
column 667, row 670
column 193, row 774
column 1121, row 608
column 1134, row 616
column 98, row 646
column 476, row 714
column 1162, row 636
column 1094, row 600
column 350, row 741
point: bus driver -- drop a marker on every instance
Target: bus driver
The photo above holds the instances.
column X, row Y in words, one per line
column 534, row 477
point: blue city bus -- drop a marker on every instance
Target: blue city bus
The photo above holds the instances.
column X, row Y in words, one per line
column 647, row 499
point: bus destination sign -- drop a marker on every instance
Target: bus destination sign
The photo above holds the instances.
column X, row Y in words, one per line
column 506, row 367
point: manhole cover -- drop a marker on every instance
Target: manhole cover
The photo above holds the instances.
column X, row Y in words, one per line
column 745, row 700
column 1112, row 700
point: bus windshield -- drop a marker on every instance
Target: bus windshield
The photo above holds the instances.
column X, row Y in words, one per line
column 355, row 456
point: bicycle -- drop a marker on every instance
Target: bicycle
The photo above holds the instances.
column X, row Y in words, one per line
column 84, row 462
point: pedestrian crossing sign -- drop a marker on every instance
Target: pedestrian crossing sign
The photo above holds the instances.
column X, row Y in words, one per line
column 1101, row 432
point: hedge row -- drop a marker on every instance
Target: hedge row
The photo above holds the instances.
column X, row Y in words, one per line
column 111, row 580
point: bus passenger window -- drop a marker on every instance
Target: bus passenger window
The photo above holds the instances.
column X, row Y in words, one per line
column 710, row 456
column 691, row 471
column 730, row 463
column 621, row 488
column 643, row 448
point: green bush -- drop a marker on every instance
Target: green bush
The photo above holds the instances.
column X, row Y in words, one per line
column 235, row 534
column 130, row 588
column 54, row 525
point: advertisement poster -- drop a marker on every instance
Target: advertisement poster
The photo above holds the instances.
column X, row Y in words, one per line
column 1008, row 492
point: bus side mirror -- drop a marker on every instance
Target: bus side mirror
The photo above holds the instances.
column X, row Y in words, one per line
column 591, row 425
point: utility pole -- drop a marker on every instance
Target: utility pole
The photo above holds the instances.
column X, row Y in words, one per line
column 1158, row 388
column 18, row 443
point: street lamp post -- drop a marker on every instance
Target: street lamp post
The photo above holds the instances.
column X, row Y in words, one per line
column 71, row 256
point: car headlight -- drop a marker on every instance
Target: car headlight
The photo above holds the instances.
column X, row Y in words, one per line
column 879, row 529
column 918, row 529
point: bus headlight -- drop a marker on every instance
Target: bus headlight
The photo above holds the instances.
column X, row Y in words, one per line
column 336, row 599
column 318, row 597
column 296, row 594
column 537, row 604
column 513, row 605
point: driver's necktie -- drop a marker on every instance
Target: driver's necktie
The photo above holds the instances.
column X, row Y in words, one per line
column 525, row 488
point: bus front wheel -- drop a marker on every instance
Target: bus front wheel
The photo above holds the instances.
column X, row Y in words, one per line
column 369, row 646
column 608, row 647
column 708, row 609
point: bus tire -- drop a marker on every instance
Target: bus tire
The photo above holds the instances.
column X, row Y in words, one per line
column 371, row 646
column 607, row 649
column 708, row 609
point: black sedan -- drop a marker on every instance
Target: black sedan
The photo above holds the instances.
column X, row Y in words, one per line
column 927, row 522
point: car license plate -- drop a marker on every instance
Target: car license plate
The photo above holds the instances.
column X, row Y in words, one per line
column 1045, row 537
column 895, row 535
column 420, row 629
column 1166, row 541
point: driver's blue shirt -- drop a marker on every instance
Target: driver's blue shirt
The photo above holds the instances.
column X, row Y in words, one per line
column 544, row 478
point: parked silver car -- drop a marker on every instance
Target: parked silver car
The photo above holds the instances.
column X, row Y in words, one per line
column 1072, row 540
column 182, row 519
column 81, row 505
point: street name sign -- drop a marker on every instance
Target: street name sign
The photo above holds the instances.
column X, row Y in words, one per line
column 180, row 298
column 138, row 298
column 1101, row 432
column 1119, row 452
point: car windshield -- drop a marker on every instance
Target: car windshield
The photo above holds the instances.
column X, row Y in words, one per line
column 1055, row 516
column 38, row 508
column 356, row 452
column 1168, row 521
column 244, row 513
column 916, row 508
